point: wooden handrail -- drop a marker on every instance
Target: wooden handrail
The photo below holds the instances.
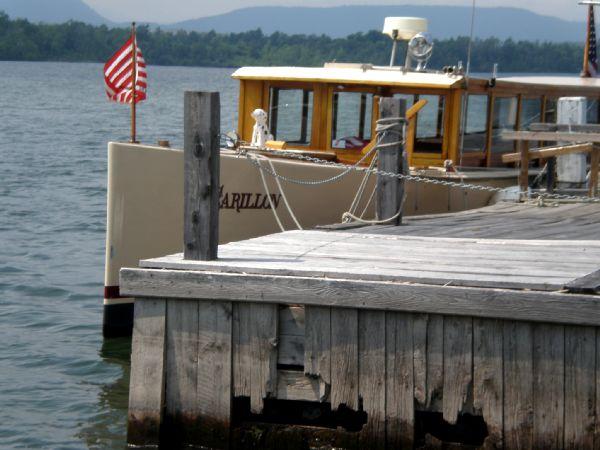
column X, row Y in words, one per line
column 548, row 152
column 551, row 136
column 525, row 155
column 411, row 118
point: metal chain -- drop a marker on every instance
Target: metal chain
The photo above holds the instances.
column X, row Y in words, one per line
column 413, row 178
column 384, row 128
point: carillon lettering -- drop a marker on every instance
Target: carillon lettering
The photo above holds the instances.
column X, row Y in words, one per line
column 246, row 200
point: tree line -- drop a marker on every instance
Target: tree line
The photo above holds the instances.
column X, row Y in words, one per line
column 21, row 40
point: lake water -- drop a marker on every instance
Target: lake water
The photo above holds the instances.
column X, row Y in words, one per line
column 61, row 386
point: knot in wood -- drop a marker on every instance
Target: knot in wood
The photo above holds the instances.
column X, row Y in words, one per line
column 195, row 217
column 198, row 146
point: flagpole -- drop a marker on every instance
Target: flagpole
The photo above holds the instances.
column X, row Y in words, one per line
column 586, row 51
column 134, row 84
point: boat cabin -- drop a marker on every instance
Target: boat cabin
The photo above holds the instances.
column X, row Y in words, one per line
column 334, row 109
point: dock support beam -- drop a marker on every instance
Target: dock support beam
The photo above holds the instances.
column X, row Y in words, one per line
column 201, row 185
column 392, row 158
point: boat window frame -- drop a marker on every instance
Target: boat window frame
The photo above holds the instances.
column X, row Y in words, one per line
column 446, row 122
column 299, row 85
column 362, row 89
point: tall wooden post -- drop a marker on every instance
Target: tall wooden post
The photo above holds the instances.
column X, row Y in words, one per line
column 392, row 158
column 134, row 85
column 201, row 185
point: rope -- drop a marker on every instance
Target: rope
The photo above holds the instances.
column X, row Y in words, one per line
column 347, row 216
column 360, row 191
column 264, row 181
column 285, row 200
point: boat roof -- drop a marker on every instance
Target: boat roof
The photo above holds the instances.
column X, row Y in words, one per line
column 553, row 80
column 367, row 74
column 350, row 74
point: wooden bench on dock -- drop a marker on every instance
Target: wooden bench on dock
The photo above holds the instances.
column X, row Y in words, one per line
column 480, row 328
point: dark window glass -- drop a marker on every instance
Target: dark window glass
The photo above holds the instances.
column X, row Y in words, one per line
column 352, row 114
column 474, row 139
column 592, row 110
column 430, row 124
column 290, row 115
column 531, row 112
column 505, row 118
column 550, row 115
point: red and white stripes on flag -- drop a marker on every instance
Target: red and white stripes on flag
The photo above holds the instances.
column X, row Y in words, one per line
column 119, row 74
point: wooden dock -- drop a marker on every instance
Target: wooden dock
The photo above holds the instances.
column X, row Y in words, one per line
column 472, row 330
column 483, row 327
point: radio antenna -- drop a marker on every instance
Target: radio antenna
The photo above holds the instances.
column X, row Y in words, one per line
column 467, row 73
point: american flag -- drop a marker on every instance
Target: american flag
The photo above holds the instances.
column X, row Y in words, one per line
column 119, row 74
column 592, row 57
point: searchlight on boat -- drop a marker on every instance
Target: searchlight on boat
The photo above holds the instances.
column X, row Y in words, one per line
column 412, row 29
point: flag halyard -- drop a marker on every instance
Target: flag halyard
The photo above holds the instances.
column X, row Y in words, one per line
column 119, row 74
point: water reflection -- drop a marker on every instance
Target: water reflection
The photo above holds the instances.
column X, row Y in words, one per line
column 107, row 429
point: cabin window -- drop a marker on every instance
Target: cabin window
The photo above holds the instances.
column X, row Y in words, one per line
column 505, row 118
column 351, row 121
column 592, row 110
column 531, row 112
column 290, row 115
column 476, row 124
column 550, row 112
column 430, row 124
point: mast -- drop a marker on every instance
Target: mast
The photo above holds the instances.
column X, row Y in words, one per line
column 590, row 23
column 134, row 84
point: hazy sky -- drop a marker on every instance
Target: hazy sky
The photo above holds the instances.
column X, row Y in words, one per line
column 164, row 11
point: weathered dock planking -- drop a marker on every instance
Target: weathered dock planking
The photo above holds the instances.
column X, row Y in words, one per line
column 478, row 329
column 492, row 329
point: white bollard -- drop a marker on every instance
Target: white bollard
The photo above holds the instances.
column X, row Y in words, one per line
column 571, row 170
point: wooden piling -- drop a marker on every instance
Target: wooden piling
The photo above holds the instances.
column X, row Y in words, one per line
column 392, row 158
column 201, row 185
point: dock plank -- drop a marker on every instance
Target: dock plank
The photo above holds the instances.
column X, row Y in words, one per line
column 263, row 354
column 372, row 377
column 399, row 385
column 435, row 362
column 420, row 322
column 317, row 353
column 344, row 368
column 458, row 366
column 182, row 409
column 488, row 386
column 588, row 284
column 214, row 372
column 580, row 413
column 344, row 358
column 548, row 386
column 554, row 307
column 147, row 379
column 518, row 385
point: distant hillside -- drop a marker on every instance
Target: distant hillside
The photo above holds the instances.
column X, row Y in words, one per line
column 52, row 11
column 444, row 22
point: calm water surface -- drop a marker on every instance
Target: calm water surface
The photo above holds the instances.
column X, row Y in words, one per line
column 61, row 386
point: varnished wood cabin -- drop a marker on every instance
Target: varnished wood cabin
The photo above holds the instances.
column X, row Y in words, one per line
column 334, row 109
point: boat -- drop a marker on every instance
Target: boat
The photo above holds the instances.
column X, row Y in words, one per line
column 322, row 122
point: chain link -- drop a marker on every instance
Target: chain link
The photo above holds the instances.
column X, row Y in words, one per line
column 414, row 178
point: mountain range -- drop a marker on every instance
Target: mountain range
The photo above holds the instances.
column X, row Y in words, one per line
column 52, row 11
column 444, row 21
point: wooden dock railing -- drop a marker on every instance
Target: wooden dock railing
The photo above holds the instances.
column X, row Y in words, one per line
column 581, row 142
